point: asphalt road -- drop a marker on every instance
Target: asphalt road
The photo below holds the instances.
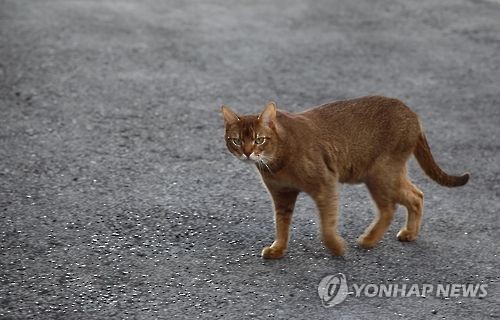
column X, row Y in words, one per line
column 118, row 199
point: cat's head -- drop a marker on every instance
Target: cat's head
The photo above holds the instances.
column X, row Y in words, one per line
column 252, row 138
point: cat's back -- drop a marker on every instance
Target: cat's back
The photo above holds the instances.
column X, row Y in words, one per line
column 370, row 114
column 371, row 106
column 361, row 130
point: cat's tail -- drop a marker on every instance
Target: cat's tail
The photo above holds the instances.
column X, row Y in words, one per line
column 424, row 157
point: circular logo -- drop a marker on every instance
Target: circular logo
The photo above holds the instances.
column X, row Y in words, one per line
column 332, row 290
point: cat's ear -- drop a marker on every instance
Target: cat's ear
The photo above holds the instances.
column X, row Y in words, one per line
column 268, row 115
column 229, row 115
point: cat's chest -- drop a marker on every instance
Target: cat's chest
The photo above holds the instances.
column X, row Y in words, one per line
column 283, row 180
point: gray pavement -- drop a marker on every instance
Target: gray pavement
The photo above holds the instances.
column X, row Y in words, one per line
column 118, row 199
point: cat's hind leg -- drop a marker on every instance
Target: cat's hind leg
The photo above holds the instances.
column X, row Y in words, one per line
column 382, row 192
column 413, row 199
column 284, row 203
column 389, row 185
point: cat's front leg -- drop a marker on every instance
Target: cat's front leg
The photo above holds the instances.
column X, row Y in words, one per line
column 284, row 203
column 327, row 202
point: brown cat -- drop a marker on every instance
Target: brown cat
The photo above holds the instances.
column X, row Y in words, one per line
column 365, row 140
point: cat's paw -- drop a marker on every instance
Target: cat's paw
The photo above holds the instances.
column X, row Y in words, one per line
column 367, row 242
column 405, row 235
column 336, row 245
column 272, row 253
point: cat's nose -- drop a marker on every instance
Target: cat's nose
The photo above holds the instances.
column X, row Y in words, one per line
column 247, row 153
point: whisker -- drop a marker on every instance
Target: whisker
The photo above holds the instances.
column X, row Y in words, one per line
column 269, row 169
column 259, row 165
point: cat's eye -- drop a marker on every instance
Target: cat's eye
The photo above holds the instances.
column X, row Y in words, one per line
column 260, row 140
column 236, row 141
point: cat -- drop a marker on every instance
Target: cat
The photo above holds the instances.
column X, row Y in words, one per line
column 365, row 140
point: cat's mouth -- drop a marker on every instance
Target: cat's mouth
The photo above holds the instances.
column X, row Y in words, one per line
column 256, row 159
column 249, row 160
